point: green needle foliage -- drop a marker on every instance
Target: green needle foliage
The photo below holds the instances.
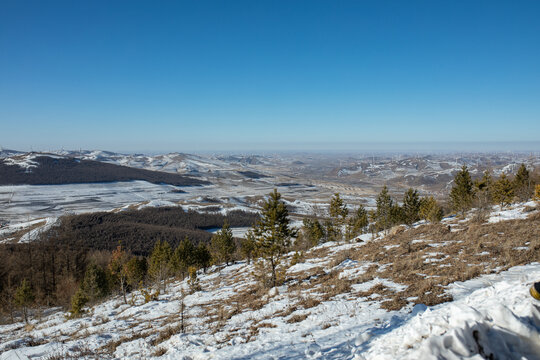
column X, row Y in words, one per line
column 462, row 193
column 503, row 191
column 523, row 186
column 383, row 214
column 273, row 233
column 159, row 263
column 338, row 212
column 430, row 210
column 411, row 207
column 24, row 297
column 223, row 246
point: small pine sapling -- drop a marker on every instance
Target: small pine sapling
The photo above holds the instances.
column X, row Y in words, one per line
column 24, row 297
column 193, row 280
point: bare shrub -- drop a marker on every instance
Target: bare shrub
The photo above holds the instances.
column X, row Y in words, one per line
column 297, row 318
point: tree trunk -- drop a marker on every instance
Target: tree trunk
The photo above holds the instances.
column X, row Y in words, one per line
column 273, row 264
column 123, row 288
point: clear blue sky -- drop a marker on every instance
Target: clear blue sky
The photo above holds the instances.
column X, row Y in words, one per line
column 272, row 75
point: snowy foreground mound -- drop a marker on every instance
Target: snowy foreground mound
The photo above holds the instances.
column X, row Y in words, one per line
column 492, row 316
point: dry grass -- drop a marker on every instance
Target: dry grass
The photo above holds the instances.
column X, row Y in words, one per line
column 159, row 352
column 443, row 257
column 166, row 334
column 425, row 259
column 308, row 302
column 297, row 318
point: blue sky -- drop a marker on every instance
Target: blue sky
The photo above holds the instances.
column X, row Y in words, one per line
column 267, row 75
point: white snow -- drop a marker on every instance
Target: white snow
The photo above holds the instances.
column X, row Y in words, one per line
column 33, row 234
column 157, row 203
column 494, row 312
column 24, row 161
column 513, row 212
column 497, row 310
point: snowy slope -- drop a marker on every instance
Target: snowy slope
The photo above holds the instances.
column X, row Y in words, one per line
column 491, row 314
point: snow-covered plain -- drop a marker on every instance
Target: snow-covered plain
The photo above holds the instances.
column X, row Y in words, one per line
column 27, row 206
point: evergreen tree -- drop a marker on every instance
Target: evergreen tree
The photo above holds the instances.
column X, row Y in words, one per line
column 338, row 212
column 523, row 186
column 462, row 193
column 331, row 233
column 430, row 210
column 383, row 214
column 184, row 256
column 273, row 233
column 397, row 216
column 247, row 246
column 135, row 269
column 313, row 230
column 95, row 284
column 537, row 192
column 159, row 263
column 202, row 256
column 78, row 301
column 503, row 191
column 24, row 297
column 193, row 280
column 358, row 223
column 119, row 259
column 411, row 207
column 223, row 246
column 484, row 190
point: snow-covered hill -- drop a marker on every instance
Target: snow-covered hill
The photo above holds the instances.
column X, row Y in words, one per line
column 338, row 301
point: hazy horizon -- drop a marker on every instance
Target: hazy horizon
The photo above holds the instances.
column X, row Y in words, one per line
column 366, row 148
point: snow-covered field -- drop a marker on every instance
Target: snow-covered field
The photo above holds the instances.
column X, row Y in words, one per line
column 27, row 206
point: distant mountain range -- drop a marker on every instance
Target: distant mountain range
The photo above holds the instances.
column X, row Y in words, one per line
column 48, row 169
column 353, row 172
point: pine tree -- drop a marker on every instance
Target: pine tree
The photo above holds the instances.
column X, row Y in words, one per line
column 117, row 269
column 313, row 230
column 397, row 216
column 223, row 246
column 338, row 212
column 24, row 297
column 484, row 190
column 358, row 223
column 159, row 263
column 135, row 269
column 193, row 280
column 503, row 191
column 95, row 284
column 78, row 301
column 523, row 186
column 462, row 193
column 411, row 207
column 183, row 257
column 273, row 233
column 247, row 246
column 430, row 210
column 383, row 213
column 202, row 256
